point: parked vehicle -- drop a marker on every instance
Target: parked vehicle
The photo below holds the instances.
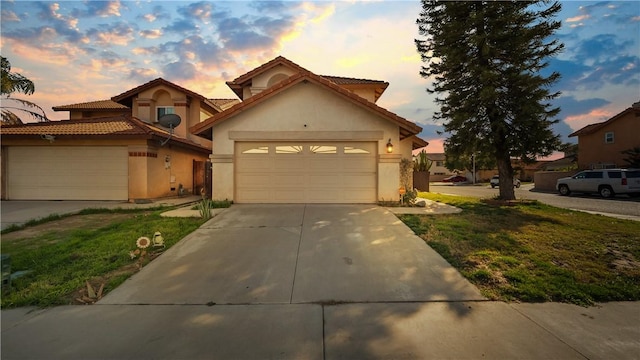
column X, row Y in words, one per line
column 495, row 181
column 606, row 182
column 455, row 179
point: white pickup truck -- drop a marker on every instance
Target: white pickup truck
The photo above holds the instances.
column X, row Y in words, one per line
column 495, row 181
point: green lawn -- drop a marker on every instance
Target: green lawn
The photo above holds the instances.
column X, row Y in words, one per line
column 531, row 252
column 62, row 259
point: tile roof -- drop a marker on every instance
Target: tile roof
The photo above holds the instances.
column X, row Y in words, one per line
column 237, row 83
column 105, row 127
column 152, row 83
column 339, row 80
column 224, row 103
column 417, row 143
column 98, row 126
column 591, row 128
column 407, row 128
column 92, row 105
column 378, row 85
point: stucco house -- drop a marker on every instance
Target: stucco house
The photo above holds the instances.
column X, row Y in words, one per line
column 438, row 171
column 298, row 137
column 111, row 149
column 600, row 145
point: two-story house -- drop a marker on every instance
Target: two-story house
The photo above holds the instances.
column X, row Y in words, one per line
column 601, row 145
column 298, row 137
column 111, row 149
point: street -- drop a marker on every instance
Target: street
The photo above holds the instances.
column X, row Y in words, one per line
column 621, row 206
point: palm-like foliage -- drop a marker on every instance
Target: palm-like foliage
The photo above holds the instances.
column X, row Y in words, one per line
column 14, row 82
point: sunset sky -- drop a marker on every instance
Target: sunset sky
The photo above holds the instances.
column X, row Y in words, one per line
column 92, row 50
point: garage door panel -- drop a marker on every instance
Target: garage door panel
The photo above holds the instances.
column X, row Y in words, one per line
column 359, row 165
column 257, row 164
column 298, row 172
column 67, row 173
column 287, row 181
column 288, row 163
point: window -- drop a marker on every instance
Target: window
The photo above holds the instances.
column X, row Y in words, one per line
column 633, row 174
column 323, row 149
column 440, row 163
column 594, row 175
column 614, row 174
column 608, row 137
column 163, row 110
column 354, row 150
column 289, row 149
column 257, row 150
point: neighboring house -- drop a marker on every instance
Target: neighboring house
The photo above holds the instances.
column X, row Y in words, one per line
column 298, row 137
column 111, row 149
column 600, row 145
column 438, row 171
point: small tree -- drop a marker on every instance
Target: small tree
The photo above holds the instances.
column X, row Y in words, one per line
column 633, row 157
column 422, row 162
column 485, row 59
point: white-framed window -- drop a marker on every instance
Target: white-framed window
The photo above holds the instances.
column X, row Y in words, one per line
column 163, row 110
column 608, row 137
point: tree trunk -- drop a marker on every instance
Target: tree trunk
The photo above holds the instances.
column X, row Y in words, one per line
column 505, row 171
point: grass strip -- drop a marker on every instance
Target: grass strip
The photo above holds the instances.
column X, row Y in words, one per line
column 530, row 252
column 60, row 261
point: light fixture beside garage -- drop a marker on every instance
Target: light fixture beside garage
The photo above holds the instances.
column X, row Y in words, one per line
column 389, row 147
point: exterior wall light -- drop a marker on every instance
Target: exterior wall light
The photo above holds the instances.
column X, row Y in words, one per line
column 389, row 147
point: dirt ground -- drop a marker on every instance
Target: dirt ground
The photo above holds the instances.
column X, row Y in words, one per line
column 66, row 224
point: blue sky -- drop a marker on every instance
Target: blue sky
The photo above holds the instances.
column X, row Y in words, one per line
column 78, row 51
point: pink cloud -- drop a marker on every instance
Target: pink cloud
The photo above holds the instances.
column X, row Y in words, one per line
column 577, row 122
column 435, row 145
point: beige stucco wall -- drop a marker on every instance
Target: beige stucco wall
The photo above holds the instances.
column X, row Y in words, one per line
column 546, row 180
column 308, row 112
column 367, row 93
column 160, row 176
column 262, row 80
column 148, row 177
column 592, row 149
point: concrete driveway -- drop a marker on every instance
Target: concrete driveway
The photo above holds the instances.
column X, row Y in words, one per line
column 283, row 254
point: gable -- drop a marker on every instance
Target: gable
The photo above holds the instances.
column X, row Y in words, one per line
column 406, row 128
column 307, row 107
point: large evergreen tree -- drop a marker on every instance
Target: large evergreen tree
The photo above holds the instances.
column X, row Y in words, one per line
column 485, row 58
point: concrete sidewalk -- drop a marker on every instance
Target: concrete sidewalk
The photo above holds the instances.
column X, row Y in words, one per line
column 313, row 282
column 415, row 330
column 13, row 212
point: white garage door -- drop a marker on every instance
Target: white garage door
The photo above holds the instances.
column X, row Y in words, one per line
column 299, row 172
column 67, row 173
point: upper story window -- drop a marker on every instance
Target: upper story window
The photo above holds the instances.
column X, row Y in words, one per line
column 439, row 163
column 608, row 137
column 163, row 110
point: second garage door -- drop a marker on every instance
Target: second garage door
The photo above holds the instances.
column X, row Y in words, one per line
column 67, row 173
column 299, row 172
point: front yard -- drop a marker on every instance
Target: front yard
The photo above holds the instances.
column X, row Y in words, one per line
column 531, row 252
column 59, row 257
column 524, row 251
